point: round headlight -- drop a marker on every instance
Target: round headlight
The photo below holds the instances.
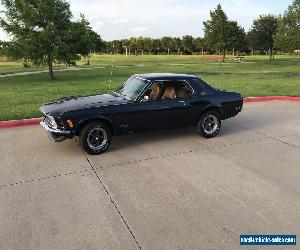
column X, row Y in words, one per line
column 52, row 122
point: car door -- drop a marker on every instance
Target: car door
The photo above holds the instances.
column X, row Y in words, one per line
column 162, row 114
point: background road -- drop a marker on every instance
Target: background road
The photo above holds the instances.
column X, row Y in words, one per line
column 165, row 190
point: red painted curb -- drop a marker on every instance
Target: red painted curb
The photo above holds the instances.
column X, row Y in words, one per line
column 19, row 123
column 36, row 121
column 272, row 98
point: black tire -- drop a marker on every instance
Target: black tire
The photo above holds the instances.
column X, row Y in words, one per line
column 209, row 124
column 95, row 138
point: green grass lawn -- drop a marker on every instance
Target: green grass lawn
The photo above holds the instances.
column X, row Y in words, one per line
column 21, row 96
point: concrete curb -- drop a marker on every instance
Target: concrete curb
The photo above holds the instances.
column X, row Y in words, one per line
column 272, row 98
column 36, row 121
column 19, row 123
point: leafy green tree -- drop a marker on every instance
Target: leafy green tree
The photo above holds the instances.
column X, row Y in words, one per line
column 132, row 45
column 176, row 45
column 216, row 30
column 79, row 40
column 117, row 47
column 140, row 44
column 199, row 44
column 188, row 44
column 42, row 33
column 236, row 37
column 263, row 29
column 166, row 43
column 126, row 45
column 37, row 28
column 251, row 40
column 87, row 39
column 288, row 37
column 155, row 46
column 147, row 45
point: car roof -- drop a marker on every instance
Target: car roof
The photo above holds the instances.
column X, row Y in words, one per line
column 165, row 76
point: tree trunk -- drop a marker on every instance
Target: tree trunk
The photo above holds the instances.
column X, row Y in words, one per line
column 224, row 54
column 88, row 60
column 271, row 53
column 233, row 52
column 50, row 68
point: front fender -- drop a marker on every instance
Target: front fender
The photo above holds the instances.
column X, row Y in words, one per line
column 88, row 119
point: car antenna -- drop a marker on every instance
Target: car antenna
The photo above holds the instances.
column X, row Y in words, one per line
column 112, row 67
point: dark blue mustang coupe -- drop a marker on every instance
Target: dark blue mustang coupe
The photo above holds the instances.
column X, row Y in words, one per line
column 145, row 102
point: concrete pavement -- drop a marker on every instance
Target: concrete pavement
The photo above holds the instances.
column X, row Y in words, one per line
column 165, row 190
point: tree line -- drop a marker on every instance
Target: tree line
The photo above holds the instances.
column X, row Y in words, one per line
column 43, row 33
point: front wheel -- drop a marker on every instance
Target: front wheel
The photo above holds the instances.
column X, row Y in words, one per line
column 95, row 138
column 209, row 124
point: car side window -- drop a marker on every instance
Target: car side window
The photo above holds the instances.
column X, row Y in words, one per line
column 153, row 93
column 183, row 90
column 168, row 90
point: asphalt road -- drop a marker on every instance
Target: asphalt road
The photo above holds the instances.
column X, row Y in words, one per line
column 165, row 190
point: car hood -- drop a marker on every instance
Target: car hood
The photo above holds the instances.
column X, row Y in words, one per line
column 66, row 104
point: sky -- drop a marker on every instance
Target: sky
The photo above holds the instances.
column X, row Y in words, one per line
column 117, row 19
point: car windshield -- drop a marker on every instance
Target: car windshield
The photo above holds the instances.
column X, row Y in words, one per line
column 132, row 88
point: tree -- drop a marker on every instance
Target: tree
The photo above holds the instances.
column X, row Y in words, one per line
column 263, row 30
column 236, row 37
column 251, row 40
column 176, row 45
column 155, row 46
column 199, row 45
column 188, row 44
column 147, row 45
column 126, row 44
column 37, row 28
column 42, row 32
column 216, row 30
column 132, row 45
column 79, row 40
column 166, row 44
column 88, row 39
column 288, row 37
column 140, row 44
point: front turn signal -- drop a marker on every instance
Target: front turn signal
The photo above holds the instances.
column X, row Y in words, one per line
column 70, row 123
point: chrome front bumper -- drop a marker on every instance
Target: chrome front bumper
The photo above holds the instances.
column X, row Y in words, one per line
column 52, row 130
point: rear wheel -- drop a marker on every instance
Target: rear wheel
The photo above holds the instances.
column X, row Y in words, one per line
column 209, row 124
column 95, row 138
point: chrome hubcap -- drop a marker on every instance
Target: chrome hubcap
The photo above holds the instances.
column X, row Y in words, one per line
column 210, row 124
column 97, row 138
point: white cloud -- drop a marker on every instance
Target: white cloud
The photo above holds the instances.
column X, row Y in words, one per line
column 138, row 29
column 121, row 20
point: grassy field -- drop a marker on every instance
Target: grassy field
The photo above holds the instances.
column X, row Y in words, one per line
column 22, row 95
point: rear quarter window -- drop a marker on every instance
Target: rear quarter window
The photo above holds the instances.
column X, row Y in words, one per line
column 201, row 86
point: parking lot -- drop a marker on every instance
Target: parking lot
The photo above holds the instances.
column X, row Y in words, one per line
column 163, row 190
